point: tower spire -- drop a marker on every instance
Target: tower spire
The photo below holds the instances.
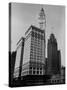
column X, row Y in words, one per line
column 42, row 19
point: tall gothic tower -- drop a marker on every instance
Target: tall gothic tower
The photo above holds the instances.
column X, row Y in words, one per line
column 54, row 57
column 42, row 20
column 42, row 25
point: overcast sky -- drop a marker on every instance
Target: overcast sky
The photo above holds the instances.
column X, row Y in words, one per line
column 25, row 15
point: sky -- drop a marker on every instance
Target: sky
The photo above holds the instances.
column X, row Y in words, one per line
column 24, row 15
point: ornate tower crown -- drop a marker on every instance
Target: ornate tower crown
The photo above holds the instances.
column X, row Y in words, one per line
column 42, row 20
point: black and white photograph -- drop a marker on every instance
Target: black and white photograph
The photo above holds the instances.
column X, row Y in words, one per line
column 36, row 44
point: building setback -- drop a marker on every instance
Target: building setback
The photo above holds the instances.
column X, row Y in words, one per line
column 54, row 60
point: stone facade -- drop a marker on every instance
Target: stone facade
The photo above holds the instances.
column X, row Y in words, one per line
column 34, row 52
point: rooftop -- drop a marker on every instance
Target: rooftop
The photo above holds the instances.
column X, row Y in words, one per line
column 34, row 27
column 22, row 38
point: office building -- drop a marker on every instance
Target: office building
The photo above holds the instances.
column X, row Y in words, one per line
column 19, row 58
column 54, row 57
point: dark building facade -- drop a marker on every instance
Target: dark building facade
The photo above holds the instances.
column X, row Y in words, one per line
column 63, row 74
column 54, row 60
column 59, row 61
column 12, row 57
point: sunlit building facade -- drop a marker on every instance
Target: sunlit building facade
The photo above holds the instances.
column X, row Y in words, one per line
column 19, row 58
column 34, row 52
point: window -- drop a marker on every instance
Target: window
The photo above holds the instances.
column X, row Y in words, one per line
column 32, row 34
column 38, row 36
column 35, row 35
column 37, row 68
column 37, row 72
column 53, row 81
column 30, row 67
column 40, row 68
column 57, row 80
column 40, row 72
column 33, row 72
column 41, row 36
column 34, row 68
column 30, row 72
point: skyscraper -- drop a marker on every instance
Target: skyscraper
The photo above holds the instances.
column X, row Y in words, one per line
column 19, row 58
column 34, row 49
column 53, row 62
column 42, row 20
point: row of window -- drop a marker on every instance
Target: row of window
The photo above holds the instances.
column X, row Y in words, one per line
column 39, row 36
column 55, row 81
column 35, row 31
column 36, row 50
column 37, row 46
column 37, row 53
column 33, row 68
column 33, row 57
column 36, row 59
column 36, row 56
column 34, row 47
column 38, row 32
column 32, row 72
column 41, row 67
column 37, row 41
column 40, row 45
column 35, row 72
